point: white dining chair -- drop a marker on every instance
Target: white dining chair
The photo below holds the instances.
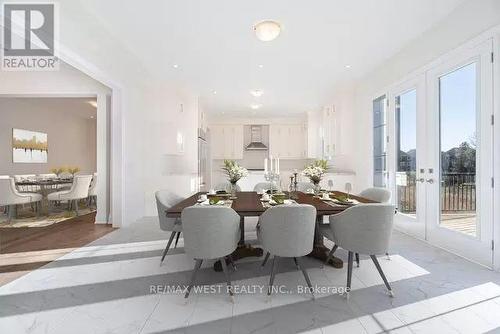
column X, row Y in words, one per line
column 93, row 191
column 287, row 231
column 377, row 194
column 79, row 190
column 165, row 199
column 363, row 229
column 226, row 186
column 210, row 232
column 10, row 197
column 261, row 187
column 304, row 186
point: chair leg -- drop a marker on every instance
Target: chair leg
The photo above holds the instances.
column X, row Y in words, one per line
column 76, row 207
column 265, row 260
column 193, row 277
column 306, row 276
column 166, row 248
column 230, row 258
column 357, row 259
column 349, row 272
column 177, row 239
column 271, row 279
column 328, row 258
column 379, row 268
column 226, row 273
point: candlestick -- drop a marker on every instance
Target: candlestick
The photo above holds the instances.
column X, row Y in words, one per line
column 265, row 165
column 271, row 163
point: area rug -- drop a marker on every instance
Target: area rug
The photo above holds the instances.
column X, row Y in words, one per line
column 27, row 218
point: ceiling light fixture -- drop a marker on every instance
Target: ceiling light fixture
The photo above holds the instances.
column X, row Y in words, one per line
column 214, row 92
column 257, row 92
column 261, row 66
column 93, row 103
column 348, row 66
column 255, row 106
column 267, row 30
column 175, row 66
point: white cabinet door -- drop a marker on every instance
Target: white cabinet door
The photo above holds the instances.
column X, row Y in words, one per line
column 287, row 141
column 227, row 141
column 275, row 140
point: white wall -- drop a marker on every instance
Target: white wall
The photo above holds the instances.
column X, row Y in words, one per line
column 71, row 133
column 466, row 22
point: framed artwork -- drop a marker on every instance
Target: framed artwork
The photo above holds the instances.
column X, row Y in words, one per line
column 29, row 146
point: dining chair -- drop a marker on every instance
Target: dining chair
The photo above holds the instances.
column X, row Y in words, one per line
column 210, row 232
column 10, row 197
column 93, row 191
column 287, row 231
column 226, row 186
column 377, row 194
column 363, row 229
column 304, row 186
column 79, row 190
column 165, row 199
column 261, row 187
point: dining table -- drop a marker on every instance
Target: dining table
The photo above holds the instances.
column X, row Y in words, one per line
column 249, row 204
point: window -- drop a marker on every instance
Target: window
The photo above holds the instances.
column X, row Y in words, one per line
column 380, row 142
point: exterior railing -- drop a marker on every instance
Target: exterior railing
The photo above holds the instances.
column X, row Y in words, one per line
column 458, row 193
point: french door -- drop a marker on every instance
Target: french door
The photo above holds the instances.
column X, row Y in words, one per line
column 442, row 154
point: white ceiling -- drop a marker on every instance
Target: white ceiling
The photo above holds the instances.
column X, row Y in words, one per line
column 213, row 44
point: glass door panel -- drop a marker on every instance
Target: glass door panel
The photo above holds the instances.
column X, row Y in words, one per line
column 458, row 139
column 406, row 152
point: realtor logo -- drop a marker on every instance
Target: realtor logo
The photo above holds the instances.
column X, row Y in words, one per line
column 29, row 37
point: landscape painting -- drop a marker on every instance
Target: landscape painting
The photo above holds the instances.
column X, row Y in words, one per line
column 29, row 146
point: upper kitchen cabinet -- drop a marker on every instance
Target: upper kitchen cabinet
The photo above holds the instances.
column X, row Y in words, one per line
column 227, row 141
column 329, row 124
column 322, row 134
column 287, row 141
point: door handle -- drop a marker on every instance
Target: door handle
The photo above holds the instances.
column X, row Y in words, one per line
column 421, row 180
column 431, row 181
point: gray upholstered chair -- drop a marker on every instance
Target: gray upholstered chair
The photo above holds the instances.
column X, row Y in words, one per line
column 287, row 231
column 10, row 197
column 380, row 195
column 210, row 232
column 261, row 187
column 304, row 186
column 165, row 200
column 363, row 229
column 226, row 186
column 79, row 190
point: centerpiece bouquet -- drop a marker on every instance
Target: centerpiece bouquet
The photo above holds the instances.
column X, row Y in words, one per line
column 314, row 172
column 234, row 173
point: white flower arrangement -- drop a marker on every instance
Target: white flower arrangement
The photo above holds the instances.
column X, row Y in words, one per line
column 234, row 171
column 315, row 171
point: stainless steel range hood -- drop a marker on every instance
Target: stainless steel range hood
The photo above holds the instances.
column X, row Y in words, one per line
column 256, row 143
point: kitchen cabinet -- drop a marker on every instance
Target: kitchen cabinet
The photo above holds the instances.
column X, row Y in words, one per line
column 227, row 141
column 287, row 141
column 322, row 134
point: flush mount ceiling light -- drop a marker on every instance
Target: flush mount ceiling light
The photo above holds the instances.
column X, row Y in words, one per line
column 175, row 66
column 257, row 92
column 255, row 106
column 267, row 30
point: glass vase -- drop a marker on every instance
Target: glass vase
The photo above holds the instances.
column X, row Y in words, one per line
column 233, row 191
column 317, row 188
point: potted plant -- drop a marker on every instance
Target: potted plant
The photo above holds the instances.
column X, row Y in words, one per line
column 314, row 172
column 58, row 171
column 234, row 173
column 73, row 171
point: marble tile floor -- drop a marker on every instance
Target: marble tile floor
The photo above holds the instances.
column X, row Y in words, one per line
column 111, row 286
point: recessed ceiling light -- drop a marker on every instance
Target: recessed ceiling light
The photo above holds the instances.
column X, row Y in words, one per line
column 261, row 66
column 93, row 103
column 92, row 117
column 214, row 92
column 255, row 106
column 267, row 30
column 175, row 66
column 348, row 66
column 257, row 92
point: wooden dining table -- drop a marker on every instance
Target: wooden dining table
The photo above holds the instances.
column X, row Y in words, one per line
column 248, row 204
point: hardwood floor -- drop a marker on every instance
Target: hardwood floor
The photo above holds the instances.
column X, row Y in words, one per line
column 27, row 248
